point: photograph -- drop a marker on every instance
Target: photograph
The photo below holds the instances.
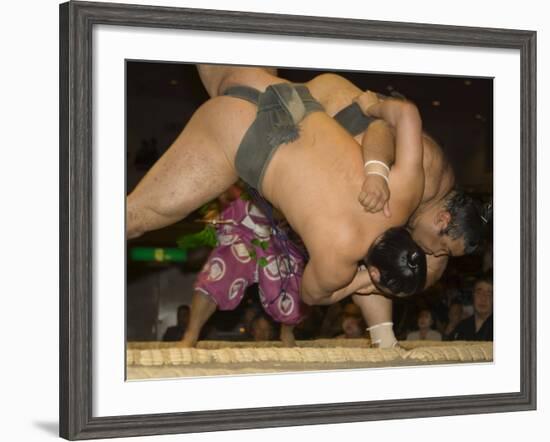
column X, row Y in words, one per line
column 283, row 219
column 273, row 220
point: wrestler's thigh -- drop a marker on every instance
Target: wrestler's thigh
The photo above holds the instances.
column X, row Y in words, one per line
column 198, row 166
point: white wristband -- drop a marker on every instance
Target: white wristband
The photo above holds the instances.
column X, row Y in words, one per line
column 379, row 174
column 381, row 163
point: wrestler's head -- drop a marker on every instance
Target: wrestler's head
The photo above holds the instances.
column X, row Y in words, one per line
column 454, row 226
column 396, row 264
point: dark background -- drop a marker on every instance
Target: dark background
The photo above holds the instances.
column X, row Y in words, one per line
column 161, row 97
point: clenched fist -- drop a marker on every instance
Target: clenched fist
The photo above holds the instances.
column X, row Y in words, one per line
column 375, row 195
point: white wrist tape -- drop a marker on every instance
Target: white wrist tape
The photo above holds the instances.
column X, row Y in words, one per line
column 382, row 335
column 379, row 174
column 381, row 163
column 382, row 324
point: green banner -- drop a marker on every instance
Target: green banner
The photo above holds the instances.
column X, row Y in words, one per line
column 158, row 254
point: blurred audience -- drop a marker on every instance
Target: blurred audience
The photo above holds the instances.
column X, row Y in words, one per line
column 479, row 326
column 353, row 327
column 176, row 332
column 425, row 331
column 310, row 326
column 331, row 325
column 261, row 328
column 455, row 315
column 352, row 323
column 450, row 310
column 251, row 312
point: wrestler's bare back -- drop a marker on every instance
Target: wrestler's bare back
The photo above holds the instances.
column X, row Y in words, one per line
column 314, row 181
column 335, row 93
column 324, row 212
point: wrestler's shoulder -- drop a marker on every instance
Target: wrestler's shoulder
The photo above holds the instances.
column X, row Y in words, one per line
column 342, row 238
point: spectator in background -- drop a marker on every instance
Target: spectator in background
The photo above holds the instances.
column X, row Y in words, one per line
column 353, row 325
column 425, row 331
column 455, row 314
column 175, row 333
column 479, row 326
column 261, row 329
column 331, row 325
column 310, row 327
column 251, row 312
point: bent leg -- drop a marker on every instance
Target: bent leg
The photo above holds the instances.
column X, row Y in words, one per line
column 196, row 168
column 221, row 285
column 202, row 307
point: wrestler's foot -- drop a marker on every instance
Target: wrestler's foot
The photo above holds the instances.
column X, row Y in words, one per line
column 288, row 342
column 287, row 336
column 187, row 342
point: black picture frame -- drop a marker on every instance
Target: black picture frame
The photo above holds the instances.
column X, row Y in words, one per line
column 77, row 20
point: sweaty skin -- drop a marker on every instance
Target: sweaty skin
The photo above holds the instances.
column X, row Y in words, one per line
column 335, row 93
column 313, row 181
column 328, row 150
column 378, row 142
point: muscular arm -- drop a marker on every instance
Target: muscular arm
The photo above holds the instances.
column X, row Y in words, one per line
column 377, row 309
column 377, row 312
column 378, row 145
column 407, row 174
column 361, row 282
column 404, row 127
column 404, row 118
column 324, row 276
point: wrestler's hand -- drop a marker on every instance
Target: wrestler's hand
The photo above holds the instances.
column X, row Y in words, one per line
column 366, row 100
column 375, row 195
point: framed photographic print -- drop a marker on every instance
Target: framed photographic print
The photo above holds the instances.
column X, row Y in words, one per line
column 243, row 195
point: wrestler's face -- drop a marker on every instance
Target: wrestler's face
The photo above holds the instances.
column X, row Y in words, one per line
column 428, row 232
